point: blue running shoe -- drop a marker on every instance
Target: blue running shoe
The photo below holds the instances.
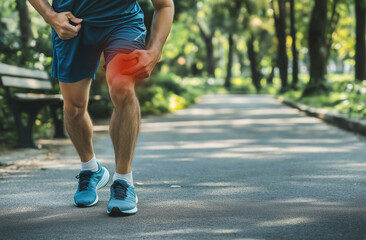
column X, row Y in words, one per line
column 123, row 199
column 89, row 182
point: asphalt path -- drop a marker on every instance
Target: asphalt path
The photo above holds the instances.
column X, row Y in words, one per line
column 229, row 167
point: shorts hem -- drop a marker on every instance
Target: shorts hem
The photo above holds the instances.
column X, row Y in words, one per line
column 73, row 81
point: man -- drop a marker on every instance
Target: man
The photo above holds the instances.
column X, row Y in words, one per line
column 81, row 31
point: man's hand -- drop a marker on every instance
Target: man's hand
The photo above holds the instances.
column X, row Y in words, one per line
column 59, row 21
column 145, row 62
column 65, row 30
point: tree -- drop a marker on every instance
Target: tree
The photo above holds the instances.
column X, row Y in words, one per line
column 228, row 19
column 331, row 27
column 3, row 34
column 230, row 61
column 320, row 40
column 360, row 56
column 148, row 9
column 251, row 31
column 206, row 23
column 25, row 29
column 254, row 63
column 317, row 47
column 280, row 26
column 295, row 62
column 207, row 37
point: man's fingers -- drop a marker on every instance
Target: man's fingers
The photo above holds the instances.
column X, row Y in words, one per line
column 131, row 55
column 73, row 18
column 78, row 27
column 132, row 70
column 67, row 36
column 128, row 57
column 73, row 29
column 141, row 75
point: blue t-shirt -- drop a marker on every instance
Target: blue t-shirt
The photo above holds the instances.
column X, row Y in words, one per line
column 101, row 12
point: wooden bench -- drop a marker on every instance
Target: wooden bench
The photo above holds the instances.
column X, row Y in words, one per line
column 27, row 92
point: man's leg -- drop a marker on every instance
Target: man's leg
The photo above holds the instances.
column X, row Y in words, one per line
column 124, row 129
column 80, row 128
column 125, row 120
column 77, row 121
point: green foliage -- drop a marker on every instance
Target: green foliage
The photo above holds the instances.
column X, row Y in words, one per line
column 44, row 127
column 242, row 85
column 345, row 96
column 153, row 100
column 7, row 127
column 168, row 92
column 170, row 82
column 38, row 55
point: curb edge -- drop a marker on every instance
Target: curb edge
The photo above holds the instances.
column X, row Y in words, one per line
column 334, row 118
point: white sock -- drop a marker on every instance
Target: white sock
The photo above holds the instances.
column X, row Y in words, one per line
column 125, row 177
column 91, row 165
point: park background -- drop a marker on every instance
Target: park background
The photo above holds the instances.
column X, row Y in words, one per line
column 310, row 51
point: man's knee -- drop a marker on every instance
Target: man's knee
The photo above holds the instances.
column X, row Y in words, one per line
column 74, row 111
column 121, row 88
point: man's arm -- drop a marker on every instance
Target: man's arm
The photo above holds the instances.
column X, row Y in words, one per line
column 161, row 25
column 59, row 21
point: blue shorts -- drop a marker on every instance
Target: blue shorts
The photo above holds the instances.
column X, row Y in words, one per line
column 78, row 58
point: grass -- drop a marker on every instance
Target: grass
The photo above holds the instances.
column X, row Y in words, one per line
column 346, row 96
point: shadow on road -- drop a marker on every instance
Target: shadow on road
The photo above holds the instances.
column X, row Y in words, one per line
column 230, row 167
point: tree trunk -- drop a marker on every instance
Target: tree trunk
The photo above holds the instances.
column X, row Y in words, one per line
column 240, row 56
column 295, row 62
column 270, row 76
column 25, row 29
column 252, row 55
column 230, row 61
column 317, row 49
column 24, row 22
column 210, row 56
column 210, row 61
column 331, row 25
column 3, row 30
column 360, row 40
column 280, row 25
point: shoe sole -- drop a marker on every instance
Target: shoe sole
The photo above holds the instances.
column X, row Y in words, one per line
column 102, row 183
column 116, row 212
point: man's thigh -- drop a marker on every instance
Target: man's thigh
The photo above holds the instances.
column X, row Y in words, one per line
column 124, row 39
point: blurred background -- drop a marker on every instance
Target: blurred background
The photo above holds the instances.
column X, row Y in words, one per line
column 310, row 51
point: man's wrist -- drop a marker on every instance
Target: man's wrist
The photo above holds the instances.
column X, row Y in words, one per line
column 155, row 50
column 49, row 16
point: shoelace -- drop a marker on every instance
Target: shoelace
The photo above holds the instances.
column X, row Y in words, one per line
column 120, row 190
column 84, row 179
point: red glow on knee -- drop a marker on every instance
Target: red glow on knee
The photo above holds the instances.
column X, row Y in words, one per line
column 124, row 64
column 119, row 63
